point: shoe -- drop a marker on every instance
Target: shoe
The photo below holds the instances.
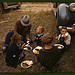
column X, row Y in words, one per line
column 4, row 49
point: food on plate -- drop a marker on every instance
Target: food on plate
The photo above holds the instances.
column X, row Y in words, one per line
column 60, row 46
column 37, row 49
column 25, row 65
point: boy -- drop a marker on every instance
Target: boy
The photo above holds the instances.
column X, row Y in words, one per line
column 39, row 34
column 49, row 55
column 64, row 38
column 14, row 50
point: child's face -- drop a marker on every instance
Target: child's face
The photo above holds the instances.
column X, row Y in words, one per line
column 63, row 31
column 38, row 31
column 19, row 41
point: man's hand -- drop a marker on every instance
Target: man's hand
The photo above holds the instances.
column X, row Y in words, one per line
column 22, row 46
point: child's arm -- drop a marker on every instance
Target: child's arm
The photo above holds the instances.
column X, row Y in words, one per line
column 56, row 38
column 68, row 41
column 22, row 46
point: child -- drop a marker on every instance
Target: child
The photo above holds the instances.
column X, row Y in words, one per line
column 39, row 34
column 64, row 38
column 49, row 55
column 14, row 50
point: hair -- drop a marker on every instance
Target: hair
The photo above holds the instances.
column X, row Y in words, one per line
column 47, row 38
column 18, row 27
column 63, row 28
column 15, row 38
column 41, row 28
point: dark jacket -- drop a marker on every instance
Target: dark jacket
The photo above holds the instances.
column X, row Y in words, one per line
column 22, row 30
column 38, row 41
column 48, row 59
column 12, row 55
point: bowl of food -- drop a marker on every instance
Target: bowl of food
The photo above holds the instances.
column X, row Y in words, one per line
column 26, row 64
column 27, row 47
column 36, row 50
column 60, row 46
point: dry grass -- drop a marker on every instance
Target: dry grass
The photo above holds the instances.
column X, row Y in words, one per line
column 44, row 18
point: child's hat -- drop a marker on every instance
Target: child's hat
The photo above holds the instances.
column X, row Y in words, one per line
column 25, row 21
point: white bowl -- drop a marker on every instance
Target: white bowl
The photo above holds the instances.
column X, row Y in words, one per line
column 27, row 48
column 29, row 63
column 60, row 46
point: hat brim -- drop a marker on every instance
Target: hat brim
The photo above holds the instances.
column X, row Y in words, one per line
column 25, row 24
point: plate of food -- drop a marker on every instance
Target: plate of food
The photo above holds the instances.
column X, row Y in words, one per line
column 36, row 50
column 60, row 46
column 27, row 47
column 26, row 64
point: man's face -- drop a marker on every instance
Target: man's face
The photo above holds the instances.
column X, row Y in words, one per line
column 63, row 31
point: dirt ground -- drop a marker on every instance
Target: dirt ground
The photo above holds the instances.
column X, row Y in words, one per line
column 41, row 14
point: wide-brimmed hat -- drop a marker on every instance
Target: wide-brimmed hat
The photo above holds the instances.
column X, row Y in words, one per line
column 25, row 21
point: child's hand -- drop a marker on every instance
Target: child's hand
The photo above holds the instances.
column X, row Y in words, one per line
column 40, row 37
column 56, row 38
column 65, row 37
column 22, row 46
column 36, row 38
column 28, row 40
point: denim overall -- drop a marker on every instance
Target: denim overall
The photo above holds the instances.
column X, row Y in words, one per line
column 61, row 41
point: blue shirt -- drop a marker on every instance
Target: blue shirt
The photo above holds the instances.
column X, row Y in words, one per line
column 48, row 49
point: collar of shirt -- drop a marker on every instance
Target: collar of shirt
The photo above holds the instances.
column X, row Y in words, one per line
column 65, row 34
column 19, row 45
column 48, row 49
column 39, row 34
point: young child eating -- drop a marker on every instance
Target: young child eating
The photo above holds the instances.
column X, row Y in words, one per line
column 49, row 55
column 64, row 38
column 39, row 34
column 14, row 50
